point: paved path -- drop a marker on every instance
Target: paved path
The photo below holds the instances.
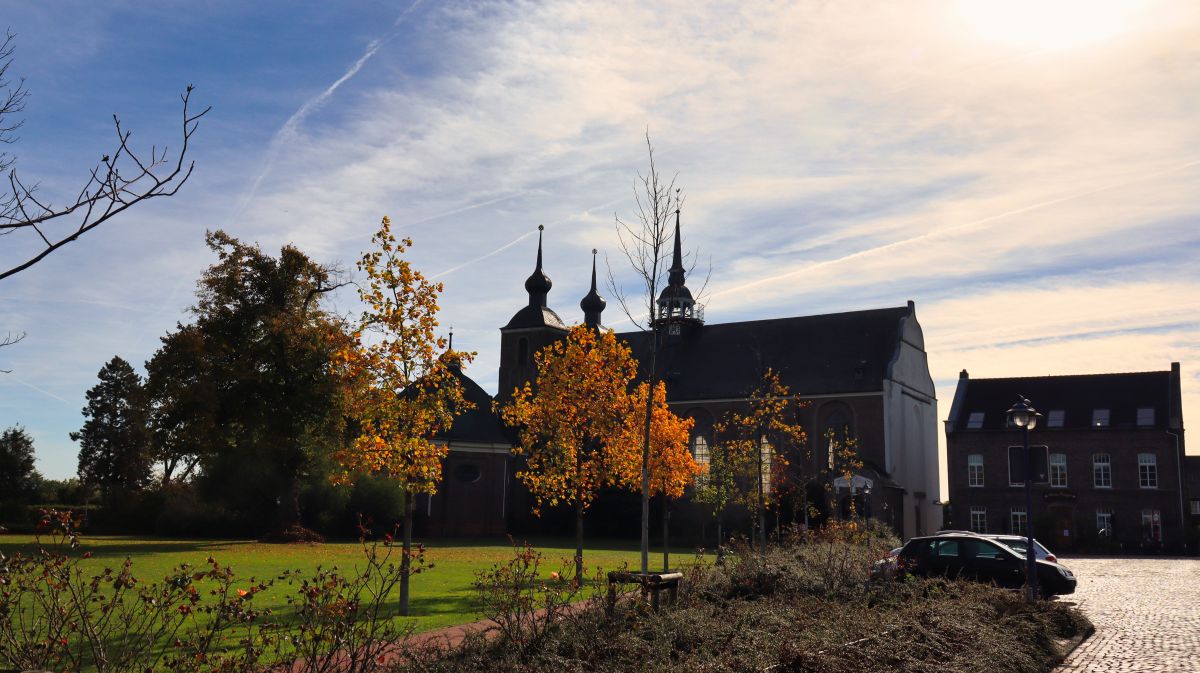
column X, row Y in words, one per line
column 1146, row 612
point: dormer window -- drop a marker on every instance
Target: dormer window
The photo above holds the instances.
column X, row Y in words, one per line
column 1145, row 417
column 1054, row 419
column 975, row 420
column 1099, row 418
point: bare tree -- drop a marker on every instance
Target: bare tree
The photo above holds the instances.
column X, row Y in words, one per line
column 121, row 179
column 645, row 243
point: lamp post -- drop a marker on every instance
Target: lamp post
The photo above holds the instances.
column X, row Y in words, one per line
column 1024, row 416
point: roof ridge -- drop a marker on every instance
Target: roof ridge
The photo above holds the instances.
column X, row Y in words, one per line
column 1069, row 376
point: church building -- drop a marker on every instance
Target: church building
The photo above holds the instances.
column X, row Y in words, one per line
column 861, row 374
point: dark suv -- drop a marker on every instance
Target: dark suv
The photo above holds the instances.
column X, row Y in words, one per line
column 978, row 558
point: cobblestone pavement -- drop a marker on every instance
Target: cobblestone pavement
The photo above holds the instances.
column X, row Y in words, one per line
column 1146, row 612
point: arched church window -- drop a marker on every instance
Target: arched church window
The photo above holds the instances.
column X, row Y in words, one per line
column 522, row 352
column 834, row 435
column 765, row 453
column 700, row 450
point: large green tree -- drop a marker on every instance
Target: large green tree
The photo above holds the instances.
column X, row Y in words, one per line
column 18, row 476
column 265, row 400
column 183, row 405
column 114, row 442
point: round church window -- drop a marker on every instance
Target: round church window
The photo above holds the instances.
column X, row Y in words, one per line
column 467, row 473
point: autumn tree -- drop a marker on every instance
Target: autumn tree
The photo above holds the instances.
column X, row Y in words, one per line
column 114, row 442
column 571, row 422
column 403, row 390
column 672, row 467
column 757, row 442
column 717, row 488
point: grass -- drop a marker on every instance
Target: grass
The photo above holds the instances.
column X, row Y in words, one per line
column 443, row 596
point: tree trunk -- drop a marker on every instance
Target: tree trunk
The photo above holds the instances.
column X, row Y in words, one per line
column 406, row 555
column 761, row 514
column 720, row 543
column 646, row 450
column 579, row 541
column 666, row 518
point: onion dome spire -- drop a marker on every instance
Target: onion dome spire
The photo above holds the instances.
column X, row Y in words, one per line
column 675, row 300
column 538, row 284
column 592, row 304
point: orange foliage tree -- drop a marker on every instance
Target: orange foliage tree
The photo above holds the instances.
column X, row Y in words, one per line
column 757, row 441
column 570, row 421
column 672, row 467
column 402, row 390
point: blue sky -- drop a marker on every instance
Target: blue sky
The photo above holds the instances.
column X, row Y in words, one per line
column 1025, row 171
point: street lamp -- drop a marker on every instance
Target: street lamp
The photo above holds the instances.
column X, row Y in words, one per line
column 1024, row 416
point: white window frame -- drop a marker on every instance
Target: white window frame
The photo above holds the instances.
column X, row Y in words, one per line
column 975, row 474
column 1145, row 417
column 1195, row 506
column 1055, row 418
column 1096, row 472
column 1101, row 418
column 701, row 455
column 1057, row 465
column 1152, row 524
column 978, row 519
column 1147, row 471
column 1015, row 515
column 975, row 420
column 1104, row 520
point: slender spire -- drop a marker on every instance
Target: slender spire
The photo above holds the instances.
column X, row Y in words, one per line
column 593, row 304
column 538, row 284
column 676, row 277
column 450, row 346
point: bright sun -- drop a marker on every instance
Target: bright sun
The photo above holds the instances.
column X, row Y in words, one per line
column 1049, row 24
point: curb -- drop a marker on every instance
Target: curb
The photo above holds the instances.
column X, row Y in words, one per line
column 1070, row 645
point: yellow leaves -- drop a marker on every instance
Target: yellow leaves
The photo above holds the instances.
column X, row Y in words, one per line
column 672, row 466
column 402, row 392
column 570, row 423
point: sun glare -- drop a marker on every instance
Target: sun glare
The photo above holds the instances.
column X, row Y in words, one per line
column 1049, row 24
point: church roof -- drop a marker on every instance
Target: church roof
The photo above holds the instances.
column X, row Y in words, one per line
column 820, row 354
column 535, row 316
column 479, row 423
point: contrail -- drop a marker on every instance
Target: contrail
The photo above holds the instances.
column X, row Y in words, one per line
column 956, row 227
column 289, row 127
column 44, row 392
column 504, row 247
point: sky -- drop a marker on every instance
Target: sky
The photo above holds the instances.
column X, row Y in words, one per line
column 1026, row 172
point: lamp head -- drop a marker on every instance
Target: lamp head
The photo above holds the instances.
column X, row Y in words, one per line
column 1022, row 414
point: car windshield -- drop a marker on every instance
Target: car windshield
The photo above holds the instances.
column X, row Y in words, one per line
column 1018, row 545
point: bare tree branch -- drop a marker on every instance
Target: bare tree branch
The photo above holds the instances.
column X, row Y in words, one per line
column 120, row 180
column 12, row 101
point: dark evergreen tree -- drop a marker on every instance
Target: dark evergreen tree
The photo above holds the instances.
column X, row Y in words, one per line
column 18, row 477
column 114, row 442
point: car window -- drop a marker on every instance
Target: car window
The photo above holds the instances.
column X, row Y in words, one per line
column 916, row 548
column 981, row 549
column 945, row 548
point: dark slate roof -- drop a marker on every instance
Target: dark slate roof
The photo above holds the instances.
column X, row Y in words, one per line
column 1076, row 395
column 535, row 316
column 480, row 423
column 819, row 354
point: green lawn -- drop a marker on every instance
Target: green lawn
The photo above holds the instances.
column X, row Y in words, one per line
column 440, row 597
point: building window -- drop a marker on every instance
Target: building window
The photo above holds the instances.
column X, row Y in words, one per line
column 522, row 352
column 1147, row 470
column 1054, row 419
column 700, row 455
column 1017, row 520
column 1101, row 470
column 975, row 420
column 1058, row 470
column 1152, row 525
column 975, row 469
column 1099, row 418
column 1104, row 522
column 468, row 473
column 978, row 519
column 1195, row 507
column 1145, row 416
column 764, row 448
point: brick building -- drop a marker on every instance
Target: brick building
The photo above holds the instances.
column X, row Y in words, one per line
column 864, row 374
column 1109, row 461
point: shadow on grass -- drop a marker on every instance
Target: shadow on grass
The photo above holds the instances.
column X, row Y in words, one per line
column 133, row 547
